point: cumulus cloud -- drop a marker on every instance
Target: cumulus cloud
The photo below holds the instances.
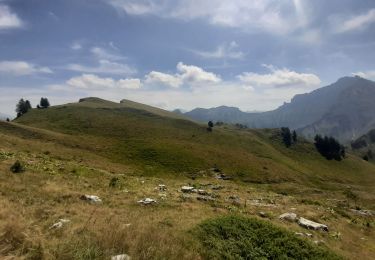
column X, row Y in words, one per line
column 256, row 14
column 279, row 78
column 359, row 22
column 159, row 78
column 8, row 20
column 91, row 81
column 186, row 75
column 21, row 68
column 222, row 52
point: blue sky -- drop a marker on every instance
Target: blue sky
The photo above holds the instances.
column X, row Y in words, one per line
column 181, row 53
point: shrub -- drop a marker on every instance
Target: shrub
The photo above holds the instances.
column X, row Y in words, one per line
column 17, row 167
column 235, row 237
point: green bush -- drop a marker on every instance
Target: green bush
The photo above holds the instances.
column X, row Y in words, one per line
column 235, row 237
column 17, row 167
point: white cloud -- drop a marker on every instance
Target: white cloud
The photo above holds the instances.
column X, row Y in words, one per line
column 360, row 22
column 159, row 78
column 370, row 74
column 91, row 81
column 104, row 54
column 196, row 75
column 279, row 78
column 221, row 52
column 108, row 62
column 105, row 67
column 187, row 75
column 21, row 68
column 76, row 46
column 9, row 20
column 265, row 15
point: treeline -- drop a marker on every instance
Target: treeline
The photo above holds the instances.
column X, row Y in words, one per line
column 23, row 106
column 288, row 137
column 329, row 147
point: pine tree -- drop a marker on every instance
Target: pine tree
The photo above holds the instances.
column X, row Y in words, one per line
column 44, row 103
column 22, row 107
column 294, row 136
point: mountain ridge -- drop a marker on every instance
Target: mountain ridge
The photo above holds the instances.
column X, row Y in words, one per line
column 309, row 113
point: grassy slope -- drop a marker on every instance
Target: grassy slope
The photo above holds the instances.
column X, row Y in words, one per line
column 168, row 145
column 78, row 148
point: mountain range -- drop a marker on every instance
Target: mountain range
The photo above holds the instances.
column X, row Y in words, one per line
column 344, row 109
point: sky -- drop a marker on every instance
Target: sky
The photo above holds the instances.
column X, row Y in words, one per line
column 251, row 54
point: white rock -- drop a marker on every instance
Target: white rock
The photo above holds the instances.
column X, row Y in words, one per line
column 311, row 224
column 288, row 216
column 363, row 212
column 187, row 189
column 121, row 257
column 147, row 201
column 91, row 198
column 59, row 224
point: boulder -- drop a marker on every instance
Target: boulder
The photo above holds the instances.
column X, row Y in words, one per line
column 121, row 257
column 187, row 189
column 91, row 198
column 311, row 224
column 288, row 216
column 147, row 201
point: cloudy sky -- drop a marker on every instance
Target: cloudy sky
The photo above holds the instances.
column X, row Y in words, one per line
column 253, row 54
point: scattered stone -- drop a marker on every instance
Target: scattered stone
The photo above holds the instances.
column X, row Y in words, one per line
column 257, row 203
column 262, row 214
column 187, row 189
column 363, row 212
column 147, row 201
column 223, row 176
column 162, row 187
column 288, row 216
column 121, row 257
column 311, row 224
column 303, row 234
column 319, row 242
column 201, row 192
column 234, row 199
column 91, row 198
column 59, row 224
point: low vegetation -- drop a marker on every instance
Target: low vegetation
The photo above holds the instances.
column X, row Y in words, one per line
column 236, row 237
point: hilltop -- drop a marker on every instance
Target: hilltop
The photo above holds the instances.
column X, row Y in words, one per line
column 122, row 152
column 344, row 109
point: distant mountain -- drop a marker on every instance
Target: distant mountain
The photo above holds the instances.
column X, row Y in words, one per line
column 365, row 146
column 345, row 110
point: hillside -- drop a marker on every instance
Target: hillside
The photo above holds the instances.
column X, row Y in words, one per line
column 344, row 110
column 364, row 146
column 122, row 152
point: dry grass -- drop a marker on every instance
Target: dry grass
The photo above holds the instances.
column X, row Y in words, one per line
column 61, row 167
